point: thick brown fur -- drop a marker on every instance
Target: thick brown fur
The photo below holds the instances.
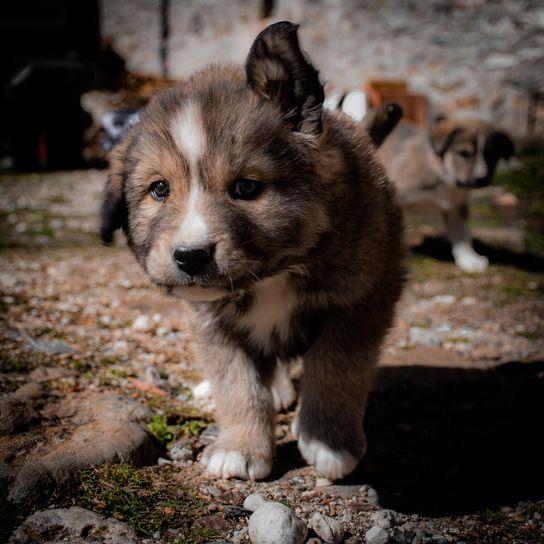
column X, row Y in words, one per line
column 312, row 266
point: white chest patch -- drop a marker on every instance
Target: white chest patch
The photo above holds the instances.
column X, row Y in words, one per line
column 271, row 310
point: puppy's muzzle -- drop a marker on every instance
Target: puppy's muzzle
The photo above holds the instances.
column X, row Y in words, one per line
column 193, row 260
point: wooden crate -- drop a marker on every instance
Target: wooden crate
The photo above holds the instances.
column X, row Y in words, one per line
column 414, row 106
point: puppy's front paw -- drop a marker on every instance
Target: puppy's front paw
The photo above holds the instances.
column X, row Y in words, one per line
column 223, row 463
column 333, row 464
column 471, row 262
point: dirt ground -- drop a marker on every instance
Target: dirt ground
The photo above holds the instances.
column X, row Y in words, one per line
column 454, row 423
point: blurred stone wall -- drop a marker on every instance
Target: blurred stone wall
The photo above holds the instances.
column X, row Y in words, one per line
column 470, row 57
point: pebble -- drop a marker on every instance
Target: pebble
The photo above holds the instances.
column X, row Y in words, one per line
column 376, row 535
column 372, row 496
column 180, row 453
column 384, row 518
column 142, row 323
column 322, row 482
column 162, row 461
column 254, row 501
column 275, row 523
column 201, row 390
column 327, row 528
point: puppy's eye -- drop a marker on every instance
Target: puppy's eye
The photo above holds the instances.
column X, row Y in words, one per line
column 160, row 189
column 465, row 153
column 245, row 189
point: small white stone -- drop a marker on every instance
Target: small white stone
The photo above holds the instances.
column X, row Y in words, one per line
column 254, row 501
column 142, row 323
column 162, row 461
column 202, row 390
column 328, row 529
column 322, row 482
column 376, row 535
column 180, row 453
column 384, row 518
column 275, row 523
column 372, row 495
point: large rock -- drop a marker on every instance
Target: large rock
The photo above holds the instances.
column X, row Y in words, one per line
column 74, row 525
column 93, row 429
column 275, row 523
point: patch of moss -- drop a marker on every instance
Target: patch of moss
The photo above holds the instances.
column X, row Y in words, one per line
column 22, row 361
column 492, row 527
column 527, row 183
column 168, row 428
column 423, row 268
column 161, row 430
column 8, row 386
column 193, row 427
column 151, row 500
column 111, row 375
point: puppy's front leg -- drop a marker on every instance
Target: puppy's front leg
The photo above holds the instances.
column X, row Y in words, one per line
column 336, row 380
column 459, row 235
column 244, row 413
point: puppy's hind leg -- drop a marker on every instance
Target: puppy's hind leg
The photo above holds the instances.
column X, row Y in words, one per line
column 459, row 235
column 244, row 412
column 336, row 379
column 283, row 390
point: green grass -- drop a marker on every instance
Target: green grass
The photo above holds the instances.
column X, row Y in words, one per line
column 527, row 183
column 167, row 428
column 151, row 500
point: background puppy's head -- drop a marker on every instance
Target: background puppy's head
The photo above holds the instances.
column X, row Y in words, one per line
column 469, row 150
column 215, row 186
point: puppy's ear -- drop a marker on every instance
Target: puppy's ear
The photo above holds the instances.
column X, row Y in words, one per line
column 114, row 210
column 379, row 122
column 501, row 145
column 278, row 70
column 442, row 134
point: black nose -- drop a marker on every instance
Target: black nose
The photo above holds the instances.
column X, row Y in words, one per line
column 192, row 260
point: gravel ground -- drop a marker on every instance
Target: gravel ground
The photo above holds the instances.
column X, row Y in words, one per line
column 454, row 424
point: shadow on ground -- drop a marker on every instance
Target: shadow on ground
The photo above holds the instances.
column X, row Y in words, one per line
column 445, row 441
column 439, row 248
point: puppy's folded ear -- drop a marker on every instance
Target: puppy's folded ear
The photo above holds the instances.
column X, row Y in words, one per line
column 501, row 144
column 278, row 70
column 379, row 122
column 442, row 134
column 113, row 212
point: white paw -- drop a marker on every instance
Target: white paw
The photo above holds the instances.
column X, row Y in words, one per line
column 234, row 464
column 471, row 261
column 333, row 464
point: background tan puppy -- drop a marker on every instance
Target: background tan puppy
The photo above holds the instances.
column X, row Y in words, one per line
column 238, row 193
column 435, row 170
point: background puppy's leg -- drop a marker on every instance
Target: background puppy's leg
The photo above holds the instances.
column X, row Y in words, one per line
column 283, row 390
column 244, row 413
column 459, row 235
column 336, row 380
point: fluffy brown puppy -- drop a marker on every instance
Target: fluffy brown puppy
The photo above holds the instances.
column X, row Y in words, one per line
column 238, row 193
